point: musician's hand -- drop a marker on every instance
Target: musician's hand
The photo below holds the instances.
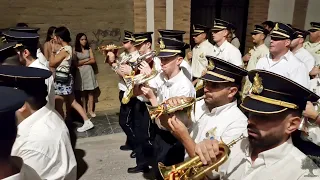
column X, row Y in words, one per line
column 189, row 55
column 310, row 112
column 178, row 129
column 147, row 92
column 207, row 150
column 176, row 101
column 145, row 68
column 246, row 57
column 125, row 69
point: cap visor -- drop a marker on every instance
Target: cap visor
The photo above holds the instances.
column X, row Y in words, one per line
column 208, row 77
column 255, row 106
column 312, row 30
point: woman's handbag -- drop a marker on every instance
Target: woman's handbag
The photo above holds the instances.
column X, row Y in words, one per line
column 62, row 75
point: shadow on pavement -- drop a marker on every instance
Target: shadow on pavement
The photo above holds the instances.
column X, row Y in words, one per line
column 82, row 166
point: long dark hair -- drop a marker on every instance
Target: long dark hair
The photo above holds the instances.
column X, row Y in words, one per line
column 63, row 33
column 50, row 32
column 77, row 45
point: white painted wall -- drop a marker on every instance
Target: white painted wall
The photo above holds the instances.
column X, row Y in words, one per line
column 281, row 10
column 313, row 13
column 150, row 18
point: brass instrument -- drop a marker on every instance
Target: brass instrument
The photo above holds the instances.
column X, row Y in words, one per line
column 121, row 62
column 164, row 108
column 199, row 85
column 304, row 124
column 110, row 47
column 134, row 64
column 133, row 79
column 193, row 169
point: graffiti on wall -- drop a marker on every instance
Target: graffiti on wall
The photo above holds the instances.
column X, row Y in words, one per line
column 105, row 36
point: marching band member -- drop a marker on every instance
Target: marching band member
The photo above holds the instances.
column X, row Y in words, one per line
column 12, row 167
column 223, row 49
column 42, row 59
column 125, row 115
column 171, row 82
column 43, row 140
column 313, row 45
column 199, row 52
column 259, row 50
column 281, row 60
column 217, row 116
column 177, row 34
column 141, row 119
column 9, row 55
column 301, row 53
column 268, row 25
column 275, row 107
column 28, row 53
column 234, row 40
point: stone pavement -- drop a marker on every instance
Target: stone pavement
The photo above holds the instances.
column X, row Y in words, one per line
column 99, row 158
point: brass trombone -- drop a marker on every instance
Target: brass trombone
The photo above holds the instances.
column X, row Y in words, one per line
column 193, row 169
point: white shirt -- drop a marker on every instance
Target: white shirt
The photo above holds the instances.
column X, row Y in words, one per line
column 122, row 85
column 43, row 143
column 288, row 66
column 49, row 82
column 256, row 53
column 284, row 162
column 229, row 53
column 199, row 61
column 26, row 172
column 303, row 55
column 43, row 60
column 314, row 49
column 179, row 85
column 218, row 123
column 186, row 68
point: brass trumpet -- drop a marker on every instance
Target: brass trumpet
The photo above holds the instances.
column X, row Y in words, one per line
column 304, row 124
column 110, row 47
column 193, row 169
column 164, row 108
column 133, row 79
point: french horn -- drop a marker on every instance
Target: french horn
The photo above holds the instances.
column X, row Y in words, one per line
column 164, row 108
column 193, row 169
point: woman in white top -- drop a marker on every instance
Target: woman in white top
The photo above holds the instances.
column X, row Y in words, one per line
column 49, row 45
column 61, row 61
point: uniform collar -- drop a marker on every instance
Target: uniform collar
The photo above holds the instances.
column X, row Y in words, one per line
column 25, row 126
column 223, row 45
column 260, row 46
column 174, row 80
column 273, row 155
column 222, row 108
column 285, row 56
column 33, row 64
column 202, row 43
column 134, row 53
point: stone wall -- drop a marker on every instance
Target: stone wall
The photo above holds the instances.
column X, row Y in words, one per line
column 102, row 21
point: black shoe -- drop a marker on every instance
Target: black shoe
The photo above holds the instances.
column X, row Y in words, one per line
column 133, row 155
column 137, row 169
column 125, row 148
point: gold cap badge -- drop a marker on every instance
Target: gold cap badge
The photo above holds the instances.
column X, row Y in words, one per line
column 276, row 27
column 257, row 86
column 162, row 45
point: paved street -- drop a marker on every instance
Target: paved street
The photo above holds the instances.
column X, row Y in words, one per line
column 99, row 158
